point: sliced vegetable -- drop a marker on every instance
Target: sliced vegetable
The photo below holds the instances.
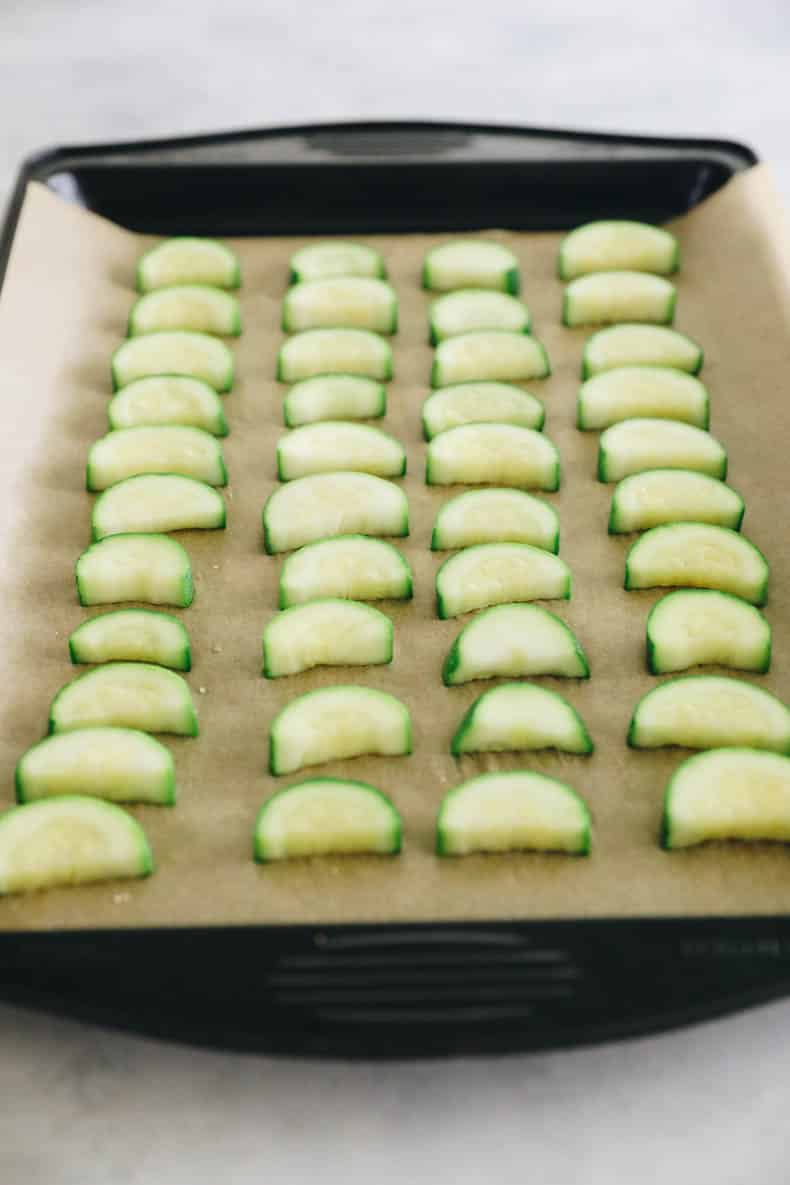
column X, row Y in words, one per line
column 640, row 345
column 654, row 497
column 613, row 244
column 150, row 568
column 341, row 302
column 157, row 502
column 334, row 351
column 70, row 841
column 496, row 516
column 490, row 354
column 608, row 297
column 480, row 403
column 510, row 812
column 168, row 399
column 132, row 635
column 337, row 723
column 698, row 555
column 471, row 309
column 126, row 695
column 190, row 452
column 470, row 263
column 710, row 712
column 187, row 260
column 326, row 817
column 629, row 392
column 313, row 508
column 498, row 454
column 326, row 633
column 514, row 640
column 335, row 258
column 194, row 307
column 351, row 567
column 197, row 355
column 118, row 764
column 332, row 446
column 634, row 445
column 495, row 573
column 521, row 716
column 334, row 397
column 727, row 794
column 695, row 627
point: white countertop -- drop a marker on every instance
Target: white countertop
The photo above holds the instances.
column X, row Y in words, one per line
column 703, row 1106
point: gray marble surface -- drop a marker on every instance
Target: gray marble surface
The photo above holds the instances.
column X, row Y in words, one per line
column 81, row 1106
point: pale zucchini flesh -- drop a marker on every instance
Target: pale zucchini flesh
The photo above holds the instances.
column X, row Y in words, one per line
column 655, row 497
column 326, row 817
column 698, row 627
column 334, row 397
column 521, row 716
column 631, row 392
column 515, row 811
column 511, row 641
column 481, row 403
column 341, row 302
column 337, row 723
column 168, row 399
column 350, row 567
column 72, row 840
column 471, row 309
column 196, row 355
column 470, row 263
column 710, row 712
column 606, row 298
column 132, row 635
column 326, row 633
column 130, row 452
column 332, row 446
column 497, row 573
column 698, row 555
column 188, row 260
column 313, row 508
column 496, row 516
column 158, row 503
column 725, row 794
column 493, row 454
column 334, row 351
column 334, row 257
column 118, row 764
column 640, row 345
column 148, row 568
column 616, row 244
column 489, row 355
column 126, row 695
column 635, row 445
column 193, row 307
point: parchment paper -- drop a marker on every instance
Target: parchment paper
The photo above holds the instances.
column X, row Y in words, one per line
column 63, row 310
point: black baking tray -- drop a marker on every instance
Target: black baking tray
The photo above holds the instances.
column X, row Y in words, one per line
column 393, row 990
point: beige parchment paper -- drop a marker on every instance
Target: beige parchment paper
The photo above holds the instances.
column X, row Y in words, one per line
column 63, row 310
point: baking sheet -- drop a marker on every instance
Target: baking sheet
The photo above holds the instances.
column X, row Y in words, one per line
column 63, row 310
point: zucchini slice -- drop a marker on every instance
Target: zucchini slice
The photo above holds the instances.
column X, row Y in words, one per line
column 126, row 695
column 313, row 508
column 334, row 397
column 193, row 307
column 196, row 355
column 496, row 516
column 333, row 445
column 190, row 452
column 68, row 841
column 132, row 635
column 490, row 354
column 710, row 712
column 470, row 263
column 494, row 454
column 326, row 817
column 495, row 573
column 168, row 399
column 635, row 445
column 326, row 633
column 350, row 567
column 521, row 716
column 149, row 568
column 606, row 298
column 341, row 302
column 613, row 244
column 335, row 257
column 188, row 260
column 336, row 723
column 512, row 812
column 655, row 497
column 471, row 309
column 157, row 502
column 481, row 403
column 698, row 555
column 118, row 764
column 640, row 345
column 696, row 627
column 727, row 794
column 514, row 640
column 631, row 392
column 334, row 351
